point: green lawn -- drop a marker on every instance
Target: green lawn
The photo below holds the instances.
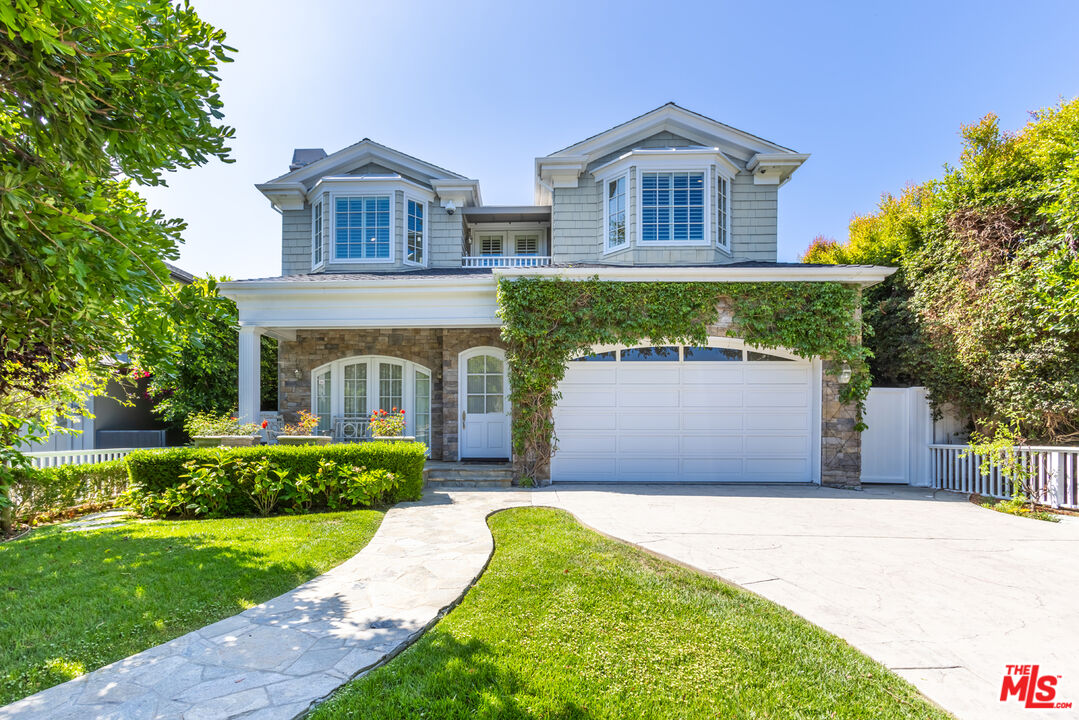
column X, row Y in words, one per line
column 566, row 623
column 72, row 602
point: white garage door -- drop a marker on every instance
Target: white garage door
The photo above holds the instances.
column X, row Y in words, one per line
column 673, row 414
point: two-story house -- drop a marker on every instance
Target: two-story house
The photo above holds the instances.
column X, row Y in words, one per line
column 387, row 298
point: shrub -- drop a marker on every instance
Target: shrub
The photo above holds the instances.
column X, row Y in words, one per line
column 234, row 481
column 304, row 426
column 45, row 490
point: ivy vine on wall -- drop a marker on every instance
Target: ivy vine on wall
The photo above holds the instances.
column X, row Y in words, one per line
column 546, row 322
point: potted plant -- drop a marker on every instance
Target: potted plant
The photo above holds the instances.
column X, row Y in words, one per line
column 210, row 430
column 303, row 432
column 389, row 426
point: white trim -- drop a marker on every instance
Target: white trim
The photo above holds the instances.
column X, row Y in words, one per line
column 666, row 159
column 426, row 250
column 369, row 185
column 336, row 369
column 705, row 241
column 864, row 275
column 462, row 392
column 376, row 191
column 451, row 301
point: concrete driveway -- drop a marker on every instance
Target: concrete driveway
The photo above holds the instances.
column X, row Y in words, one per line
column 941, row 591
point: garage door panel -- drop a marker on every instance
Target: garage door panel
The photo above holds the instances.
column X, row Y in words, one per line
column 711, row 445
column 649, row 422
column 584, row 396
column 587, row 422
column 772, row 375
column 712, row 373
column 648, row 397
column 776, row 421
column 685, row 422
column 711, row 397
column 652, row 374
column 770, row 398
column 713, row 421
column 587, row 443
column 778, row 445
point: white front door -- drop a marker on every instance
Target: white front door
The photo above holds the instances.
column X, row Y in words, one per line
column 484, row 419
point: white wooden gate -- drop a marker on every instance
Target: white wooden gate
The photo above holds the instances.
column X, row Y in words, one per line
column 895, row 447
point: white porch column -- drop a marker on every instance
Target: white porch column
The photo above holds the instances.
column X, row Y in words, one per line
column 249, row 373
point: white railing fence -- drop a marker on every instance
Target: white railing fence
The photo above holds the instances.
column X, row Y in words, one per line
column 56, row 458
column 492, row 261
column 1055, row 473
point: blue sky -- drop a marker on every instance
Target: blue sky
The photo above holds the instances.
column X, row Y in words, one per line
column 875, row 91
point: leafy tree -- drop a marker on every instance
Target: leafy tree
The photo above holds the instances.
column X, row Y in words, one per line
column 94, row 97
column 201, row 375
column 984, row 309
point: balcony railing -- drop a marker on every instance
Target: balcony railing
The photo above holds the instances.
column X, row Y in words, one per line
column 493, row 261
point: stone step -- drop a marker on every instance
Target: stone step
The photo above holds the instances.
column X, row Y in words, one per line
column 448, row 474
column 461, row 483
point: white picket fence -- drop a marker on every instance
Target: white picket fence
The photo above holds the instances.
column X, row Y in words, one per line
column 56, row 458
column 1056, row 473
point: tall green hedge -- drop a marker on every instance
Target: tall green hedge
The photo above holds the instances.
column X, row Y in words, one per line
column 59, row 488
column 153, row 472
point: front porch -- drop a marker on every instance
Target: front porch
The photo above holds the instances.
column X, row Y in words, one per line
column 451, row 384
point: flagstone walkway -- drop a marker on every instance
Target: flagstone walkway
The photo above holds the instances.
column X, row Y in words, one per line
column 277, row 659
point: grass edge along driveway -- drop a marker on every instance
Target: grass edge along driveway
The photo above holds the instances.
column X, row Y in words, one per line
column 566, row 623
column 71, row 602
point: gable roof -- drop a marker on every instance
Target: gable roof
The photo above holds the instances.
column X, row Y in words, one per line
column 674, row 118
column 362, row 153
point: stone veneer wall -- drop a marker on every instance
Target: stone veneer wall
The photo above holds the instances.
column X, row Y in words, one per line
column 434, row 348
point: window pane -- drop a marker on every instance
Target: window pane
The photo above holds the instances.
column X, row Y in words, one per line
column 651, row 354
column 494, row 384
column 323, row 396
column 476, row 404
column 475, row 364
column 674, row 214
column 494, row 364
column 608, row 356
column 494, row 403
column 764, row 357
column 389, row 386
column 355, row 389
column 710, row 354
column 421, row 415
column 475, row 384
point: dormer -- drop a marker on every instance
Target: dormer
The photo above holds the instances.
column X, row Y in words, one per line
column 669, row 187
column 368, row 207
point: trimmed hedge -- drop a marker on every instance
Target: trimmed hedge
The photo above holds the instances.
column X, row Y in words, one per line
column 154, row 473
column 54, row 489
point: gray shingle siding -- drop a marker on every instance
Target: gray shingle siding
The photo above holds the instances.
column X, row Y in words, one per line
column 296, row 241
column 576, row 215
column 754, row 219
column 445, row 236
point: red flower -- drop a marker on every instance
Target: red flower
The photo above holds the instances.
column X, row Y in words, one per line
column 395, row 408
column 265, row 423
column 402, row 411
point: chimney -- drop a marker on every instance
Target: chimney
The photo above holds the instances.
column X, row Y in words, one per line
column 305, row 156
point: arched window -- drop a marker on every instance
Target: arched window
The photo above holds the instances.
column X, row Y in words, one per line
column 345, row 392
